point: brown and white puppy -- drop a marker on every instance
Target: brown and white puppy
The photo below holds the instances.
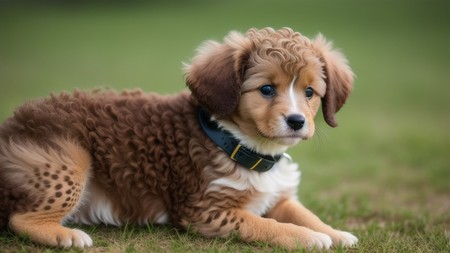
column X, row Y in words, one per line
column 104, row 157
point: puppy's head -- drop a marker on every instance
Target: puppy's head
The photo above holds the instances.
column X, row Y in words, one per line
column 266, row 86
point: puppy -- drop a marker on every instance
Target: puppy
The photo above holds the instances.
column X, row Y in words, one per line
column 211, row 159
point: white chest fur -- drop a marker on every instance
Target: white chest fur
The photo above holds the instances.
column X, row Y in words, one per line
column 267, row 188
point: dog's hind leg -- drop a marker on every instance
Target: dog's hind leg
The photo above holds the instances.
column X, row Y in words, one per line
column 45, row 184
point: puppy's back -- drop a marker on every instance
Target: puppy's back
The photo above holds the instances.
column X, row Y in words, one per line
column 128, row 134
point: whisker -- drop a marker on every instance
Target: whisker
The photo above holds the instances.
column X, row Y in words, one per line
column 321, row 136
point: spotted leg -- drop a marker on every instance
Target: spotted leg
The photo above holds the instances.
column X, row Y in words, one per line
column 52, row 178
column 252, row 227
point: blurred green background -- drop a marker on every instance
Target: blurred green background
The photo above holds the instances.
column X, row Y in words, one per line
column 391, row 151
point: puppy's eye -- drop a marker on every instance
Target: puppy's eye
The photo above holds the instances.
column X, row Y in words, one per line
column 309, row 93
column 267, row 90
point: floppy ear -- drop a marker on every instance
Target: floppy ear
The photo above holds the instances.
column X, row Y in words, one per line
column 338, row 77
column 216, row 73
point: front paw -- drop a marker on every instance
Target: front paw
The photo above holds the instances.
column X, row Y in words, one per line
column 303, row 237
column 319, row 241
column 344, row 239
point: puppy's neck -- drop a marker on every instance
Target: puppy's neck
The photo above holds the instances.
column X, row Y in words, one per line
column 258, row 144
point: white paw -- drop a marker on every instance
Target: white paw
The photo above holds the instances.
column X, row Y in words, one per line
column 81, row 239
column 320, row 240
column 346, row 239
column 77, row 238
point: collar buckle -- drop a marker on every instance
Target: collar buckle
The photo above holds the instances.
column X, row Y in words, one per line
column 237, row 149
column 233, row 154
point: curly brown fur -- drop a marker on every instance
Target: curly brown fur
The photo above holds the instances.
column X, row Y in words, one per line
column 134, row 157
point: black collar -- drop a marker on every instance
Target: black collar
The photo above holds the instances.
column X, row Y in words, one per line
column 242, row 155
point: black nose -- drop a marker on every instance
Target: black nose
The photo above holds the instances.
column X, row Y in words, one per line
column 295, row 121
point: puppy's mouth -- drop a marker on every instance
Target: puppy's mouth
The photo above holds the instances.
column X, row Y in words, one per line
column 295, row 136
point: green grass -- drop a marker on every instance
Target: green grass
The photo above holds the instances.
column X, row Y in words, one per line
column 382, row 174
